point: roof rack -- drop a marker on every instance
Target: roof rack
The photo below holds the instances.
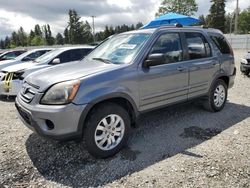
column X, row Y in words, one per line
column 177, row 25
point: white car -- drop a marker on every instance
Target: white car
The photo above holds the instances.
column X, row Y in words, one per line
column 245, row 64
column 11, row 78
column 27, row 56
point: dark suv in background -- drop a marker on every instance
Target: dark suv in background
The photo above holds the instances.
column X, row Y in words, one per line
column 129, row 74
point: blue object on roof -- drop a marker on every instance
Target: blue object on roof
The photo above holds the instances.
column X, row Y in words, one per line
column 171, row 19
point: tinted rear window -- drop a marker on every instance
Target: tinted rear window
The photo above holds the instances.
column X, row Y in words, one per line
column 198, row 46
column 221, row 43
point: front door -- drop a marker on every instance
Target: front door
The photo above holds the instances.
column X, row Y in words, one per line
column 167, row 82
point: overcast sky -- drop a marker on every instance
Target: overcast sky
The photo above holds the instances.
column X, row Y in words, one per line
column 27, row 13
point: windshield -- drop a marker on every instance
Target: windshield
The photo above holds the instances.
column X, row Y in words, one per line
column 120, row 49
column 48, row 56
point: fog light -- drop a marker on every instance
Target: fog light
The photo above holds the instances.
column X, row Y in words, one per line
column 50, row 124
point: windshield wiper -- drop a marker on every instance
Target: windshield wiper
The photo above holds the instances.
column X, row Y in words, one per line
column 103, row 60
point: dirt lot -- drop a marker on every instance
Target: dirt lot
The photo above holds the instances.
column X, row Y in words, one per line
column 181, row 146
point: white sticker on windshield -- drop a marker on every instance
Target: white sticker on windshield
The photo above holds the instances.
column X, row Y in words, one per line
column 128, row 46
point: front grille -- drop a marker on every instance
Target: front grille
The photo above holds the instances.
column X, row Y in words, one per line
column 2, row 76
column 28, row 92
column 24, row 115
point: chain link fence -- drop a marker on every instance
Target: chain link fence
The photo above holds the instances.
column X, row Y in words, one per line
column 239, row 42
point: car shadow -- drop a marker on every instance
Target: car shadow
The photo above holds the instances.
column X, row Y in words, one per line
column 160, row 134
column 4, row 98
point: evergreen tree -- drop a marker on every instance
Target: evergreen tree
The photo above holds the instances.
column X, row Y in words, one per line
column 186, row 7
column 31, row 36
column 138, row 25
column 48, row 35
column 202, row 19
column 74, row 25
column 2, row 46
column 59, row 39
column 66, row 36
column 23, row 39
column 7, row 42
column 216, row 17
column 244, row 21
column 86, row 33
column 38, row 31
column 106, row 32
column 14, row 40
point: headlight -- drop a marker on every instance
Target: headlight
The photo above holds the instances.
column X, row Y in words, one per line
column 62, row 93
column 18, row 74
column 244, row 61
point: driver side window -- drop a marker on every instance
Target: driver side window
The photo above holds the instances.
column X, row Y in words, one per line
column 168, row 44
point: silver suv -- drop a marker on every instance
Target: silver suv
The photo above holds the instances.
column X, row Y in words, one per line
column 100, row 98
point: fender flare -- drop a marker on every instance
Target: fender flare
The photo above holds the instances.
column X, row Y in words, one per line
column 101, row 99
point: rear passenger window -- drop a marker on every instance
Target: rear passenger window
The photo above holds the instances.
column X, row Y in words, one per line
column 71, row 55
column 169, row 44
column 197, row 45
column 77, row 54
column 65, row 56
column 221, row 43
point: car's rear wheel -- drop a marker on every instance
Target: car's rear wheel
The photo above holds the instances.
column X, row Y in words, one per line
column 107, row 130
column 217, row 96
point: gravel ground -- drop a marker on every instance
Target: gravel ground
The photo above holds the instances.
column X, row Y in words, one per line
column 180, row 146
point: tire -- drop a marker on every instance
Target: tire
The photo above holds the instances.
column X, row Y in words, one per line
column 98, row 137
column 213, row 103
column 246, row 73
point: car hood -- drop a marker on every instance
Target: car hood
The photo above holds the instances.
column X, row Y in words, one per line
column 7, row 63
column 18, row 67
column 34, row 68
column 247, row 56
column 46, row 77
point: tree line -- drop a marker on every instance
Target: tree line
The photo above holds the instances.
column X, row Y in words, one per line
column 76, row 32
column 217, row 17
column 80, row 32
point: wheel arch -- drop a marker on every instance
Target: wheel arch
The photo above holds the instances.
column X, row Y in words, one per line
column 118, row 98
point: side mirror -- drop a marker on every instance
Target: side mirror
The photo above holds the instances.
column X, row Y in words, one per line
column 154, row 60
column 56, row 61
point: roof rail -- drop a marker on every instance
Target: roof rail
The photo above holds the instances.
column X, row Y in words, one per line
column 164, row 25
column 204, row 27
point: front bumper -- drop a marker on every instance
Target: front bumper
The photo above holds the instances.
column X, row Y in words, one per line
column 15, row 87
column 231, row 79
column 59, row 122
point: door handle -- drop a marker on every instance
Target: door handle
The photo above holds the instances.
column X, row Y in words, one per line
column 181, row 68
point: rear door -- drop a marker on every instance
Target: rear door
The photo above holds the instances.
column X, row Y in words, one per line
column 225, row 52
column 202, row 64
column 168, row 82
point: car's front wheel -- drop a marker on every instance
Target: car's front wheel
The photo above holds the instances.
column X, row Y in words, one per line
column 246, row 72
column 217, row 96
column 107, row 130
